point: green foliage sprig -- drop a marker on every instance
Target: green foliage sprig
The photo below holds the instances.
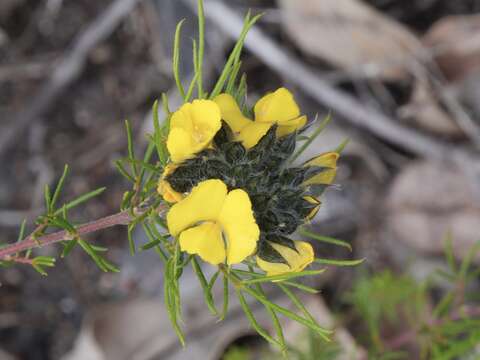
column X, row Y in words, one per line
column 446, row 328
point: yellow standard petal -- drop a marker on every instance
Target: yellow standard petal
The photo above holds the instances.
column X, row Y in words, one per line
column 328, row 161
column 204, row 203
column 204, row 240
column 276, row 107
column 165, row 189
column 251, row 134
column 297, row 260
column 231, row 112
column 192, row 127
column 239, row 226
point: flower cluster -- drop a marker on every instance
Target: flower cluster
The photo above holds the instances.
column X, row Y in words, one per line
column 233, row 190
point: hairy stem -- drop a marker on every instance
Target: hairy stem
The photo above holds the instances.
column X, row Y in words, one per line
column 121, row 218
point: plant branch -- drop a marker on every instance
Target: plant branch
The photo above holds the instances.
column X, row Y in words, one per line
column 19, row 260
column 8, row 252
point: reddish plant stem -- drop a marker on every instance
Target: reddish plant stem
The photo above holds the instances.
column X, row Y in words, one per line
column 19, row 260
column 121, row 218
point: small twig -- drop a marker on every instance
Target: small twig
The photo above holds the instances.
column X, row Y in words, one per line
column 68, row 69
column 121, row 218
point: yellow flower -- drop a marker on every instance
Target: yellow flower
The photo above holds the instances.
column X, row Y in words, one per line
column 192, row 128
column 329, row 162
column 215, row 224
column 296, row 260
column 165, row 189
column 278, row 108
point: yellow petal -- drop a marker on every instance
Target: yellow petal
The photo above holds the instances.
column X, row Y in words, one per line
column 315, row 201
column 239, row 226
column 204, row 240
column 179, row 145
column 231, row 112
column 327, row 160
column 278, row 107
column 292, row 125
column 192, row 127
column 182, row 119
column 206, row 119
column 326, row 177
column 165, row 189
column 202, row 204
column 251, row 134
column 297, row 260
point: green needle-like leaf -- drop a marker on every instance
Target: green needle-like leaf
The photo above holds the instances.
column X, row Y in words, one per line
column 307, row 143
column 206, row 290
column 68, row 247
column 248, row 312
column 325, row 239
column 170, row 287
column 80, row 200
column 306, row 322
column 233, row 78
column 282, row 277
column 226, row 290
column 464, row 266
column 298, row 303
column 273, row 315
column 131, row 153
column 176, row 59
column 339, row 149
column 191, row 87
column 201, row 47
column 302, row 287
column 59, row 187
column 233, row 55
column 131, row 241
column 121, row 169
column 48, row 198
column 21, row 233
column 339, row 262
column 40, row 261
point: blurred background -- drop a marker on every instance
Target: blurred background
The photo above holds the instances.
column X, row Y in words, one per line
column 401, row 80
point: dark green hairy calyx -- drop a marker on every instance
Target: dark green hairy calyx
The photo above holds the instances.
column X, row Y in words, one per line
column 274, row 188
